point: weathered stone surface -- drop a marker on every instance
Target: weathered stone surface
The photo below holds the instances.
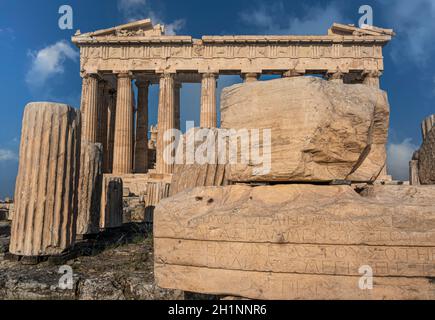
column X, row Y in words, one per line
column 321, row 130
column 271, row 52
column 135, row 183
column 414, row 178
column 190, row 175
column 90, row 186
column 111, row 202
column 426, row 154
column 46, row 187
column 297, row 241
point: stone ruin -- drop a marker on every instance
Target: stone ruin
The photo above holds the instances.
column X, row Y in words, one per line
column 422, row 166
column 300, row 232
column 308, row 228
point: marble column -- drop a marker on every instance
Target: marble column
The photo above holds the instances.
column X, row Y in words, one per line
column 141, row 146
column 177, row 112
column 165, row 122
column 427, row 125
column 123, row 143
column 208, row 101
column 371, row 78
column 102, row 113
column 133, row 121
column 89, row 108
column 111, row 118
column 251, row 77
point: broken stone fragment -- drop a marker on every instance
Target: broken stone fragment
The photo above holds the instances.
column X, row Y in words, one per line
column 46, row 199
column 320, row 130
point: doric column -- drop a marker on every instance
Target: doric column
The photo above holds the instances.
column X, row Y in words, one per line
column 250, row 77
column 165, row 122
column 177, row 97
column 208, row 101
column 427, row 125
column 371, row 78
column 133, row 120
column 111, row 118
column 46, row 186
column 123, row 143
column 102, row 113
column 89, row 108
column 141, row 146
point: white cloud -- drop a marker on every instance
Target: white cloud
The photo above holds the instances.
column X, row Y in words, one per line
column 174, row 27
column 48, row 62
column 316, row 20
column 133, row 10
column 414, row 22
column 399, row 156
column 7, row 155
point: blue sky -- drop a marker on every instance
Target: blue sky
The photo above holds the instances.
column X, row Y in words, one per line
column 40, row 64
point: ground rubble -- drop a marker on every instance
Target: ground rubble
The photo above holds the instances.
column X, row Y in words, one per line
column 115, row 266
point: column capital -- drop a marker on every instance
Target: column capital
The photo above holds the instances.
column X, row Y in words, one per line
column 251, row 76
column 372, row 73
column 123, row 73
column 166, row 75
column 214, row 75
column 333, row 75
column 86, row 75
column 291, row 73
column 371, row 77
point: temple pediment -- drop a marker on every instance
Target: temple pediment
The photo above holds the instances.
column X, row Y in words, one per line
column 141, row 28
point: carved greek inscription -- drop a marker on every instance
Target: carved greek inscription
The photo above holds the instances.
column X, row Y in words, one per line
column 297, row 228
column 302, row 258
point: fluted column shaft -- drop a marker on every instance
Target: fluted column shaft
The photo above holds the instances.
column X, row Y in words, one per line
column 427, row 125
column 102, row 113
column 141, row 147
column 165, row 122
column 111, row 118
column 177, row 111
column 208, row 117
column 133, row 133
column 46, row 186
column 123, row 143
column 89, row 108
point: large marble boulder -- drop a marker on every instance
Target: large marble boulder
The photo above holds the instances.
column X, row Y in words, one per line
column 321, row 130
column 298, row 242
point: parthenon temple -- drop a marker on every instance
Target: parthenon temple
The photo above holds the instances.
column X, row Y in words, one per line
column 112, row 59
column 309, row 211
